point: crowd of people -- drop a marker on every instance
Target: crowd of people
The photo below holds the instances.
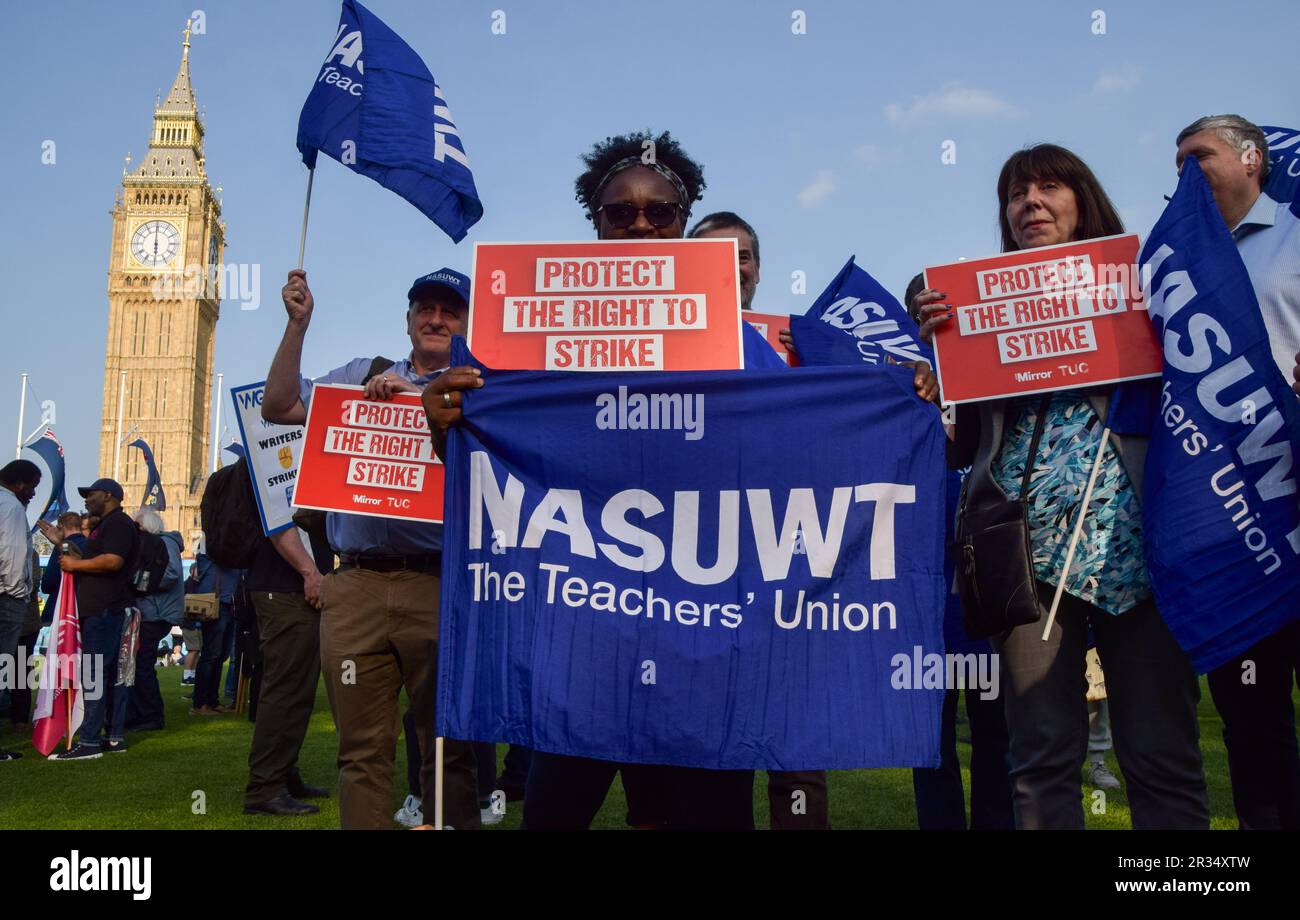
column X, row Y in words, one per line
column 357, row 600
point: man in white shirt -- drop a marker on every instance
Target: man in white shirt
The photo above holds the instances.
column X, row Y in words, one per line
column 18, row 482
column 1259, row 728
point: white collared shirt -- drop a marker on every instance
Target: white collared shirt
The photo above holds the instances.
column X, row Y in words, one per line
column 1268, row 238
column 15, row 547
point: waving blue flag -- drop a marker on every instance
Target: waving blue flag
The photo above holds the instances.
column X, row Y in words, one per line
column 153, row 490
column 857, row 321
column 1221, row 513
column 50, row 451
column 635, row 570
column 1284, row 163
column 377, row 110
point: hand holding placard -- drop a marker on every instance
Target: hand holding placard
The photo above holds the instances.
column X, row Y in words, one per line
column 1040, row 320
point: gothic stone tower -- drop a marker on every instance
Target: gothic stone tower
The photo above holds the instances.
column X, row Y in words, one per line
column 163, row 306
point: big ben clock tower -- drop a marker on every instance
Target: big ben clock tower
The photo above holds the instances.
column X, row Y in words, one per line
column 163, row 304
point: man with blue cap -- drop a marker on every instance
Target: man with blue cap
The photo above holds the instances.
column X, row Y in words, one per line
column 379, row 613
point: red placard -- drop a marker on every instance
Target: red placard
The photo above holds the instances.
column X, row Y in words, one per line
column 614, row 305
column 364, row 456
column 769, row 326
column 1044, row 319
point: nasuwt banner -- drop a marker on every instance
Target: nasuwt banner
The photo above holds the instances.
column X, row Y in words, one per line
column 1043, row 319
column 376, row 108
column 363, row 456
column 856, row 321
column 639, row 569
column 614, row 305
column 1284, row 159
column 1220, row 513
column 273, row 452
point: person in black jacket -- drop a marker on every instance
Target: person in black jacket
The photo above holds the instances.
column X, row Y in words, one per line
column 206, row 577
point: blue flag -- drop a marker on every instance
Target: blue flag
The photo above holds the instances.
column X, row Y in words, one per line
column 1221, row 513
column 857, row 321
column 153, row 490
column 635, row 570
column 48, row 448
column 377, row 110
column 1284, row 163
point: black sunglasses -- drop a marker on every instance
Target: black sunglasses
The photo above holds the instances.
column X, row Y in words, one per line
column 660, row 214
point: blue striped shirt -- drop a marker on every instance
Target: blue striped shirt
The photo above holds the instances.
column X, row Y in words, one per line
column 1268, row 238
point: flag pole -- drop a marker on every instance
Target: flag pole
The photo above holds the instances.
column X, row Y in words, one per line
column 117, row 447
column 437, row 784
column 1078, row 530
column 22, row 408
column 306, row 208
column 216, row 425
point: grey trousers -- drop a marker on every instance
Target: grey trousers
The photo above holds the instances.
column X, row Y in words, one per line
column 1152, row 691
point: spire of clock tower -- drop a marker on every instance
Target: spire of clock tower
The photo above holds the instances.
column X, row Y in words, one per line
column 176, row 147
column 181, row 96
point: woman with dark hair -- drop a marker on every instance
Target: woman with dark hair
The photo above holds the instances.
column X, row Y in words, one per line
column 1048, row 196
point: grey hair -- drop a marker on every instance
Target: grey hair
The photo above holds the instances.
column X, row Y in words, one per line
column 723, row 219
column 150, row 521
column 1238, row 133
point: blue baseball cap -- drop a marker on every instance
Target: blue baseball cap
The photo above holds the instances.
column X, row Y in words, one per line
column 102, row 485
column 447, row 278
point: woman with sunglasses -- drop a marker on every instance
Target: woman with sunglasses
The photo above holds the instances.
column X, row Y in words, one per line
column 1048, row 196
column 635, row 186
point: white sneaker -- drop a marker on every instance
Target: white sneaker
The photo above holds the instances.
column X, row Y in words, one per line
column 1096, row 773
column 411, row 813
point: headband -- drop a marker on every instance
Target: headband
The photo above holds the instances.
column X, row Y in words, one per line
column 628, row 163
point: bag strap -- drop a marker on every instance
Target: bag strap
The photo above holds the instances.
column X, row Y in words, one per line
column 1039, row 424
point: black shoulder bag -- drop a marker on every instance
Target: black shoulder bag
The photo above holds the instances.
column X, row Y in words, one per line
column 994, row 563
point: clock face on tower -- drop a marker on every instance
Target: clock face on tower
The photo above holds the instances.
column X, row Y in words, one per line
column 155, row 243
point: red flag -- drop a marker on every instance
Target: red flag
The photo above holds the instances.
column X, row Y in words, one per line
column 59, row 707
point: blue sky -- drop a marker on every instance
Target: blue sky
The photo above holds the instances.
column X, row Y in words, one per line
column 828, row 142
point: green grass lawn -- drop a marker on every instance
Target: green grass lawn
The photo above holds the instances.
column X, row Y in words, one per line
column 160, row 780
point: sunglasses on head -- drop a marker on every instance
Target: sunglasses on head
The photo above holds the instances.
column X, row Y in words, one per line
column 660, row 214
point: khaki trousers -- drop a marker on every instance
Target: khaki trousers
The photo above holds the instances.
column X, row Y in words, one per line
column 378, row 634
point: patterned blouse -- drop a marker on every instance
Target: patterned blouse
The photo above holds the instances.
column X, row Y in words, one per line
column 1109, row 567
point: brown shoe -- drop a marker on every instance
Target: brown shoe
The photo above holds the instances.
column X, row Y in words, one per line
column 205, row 711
